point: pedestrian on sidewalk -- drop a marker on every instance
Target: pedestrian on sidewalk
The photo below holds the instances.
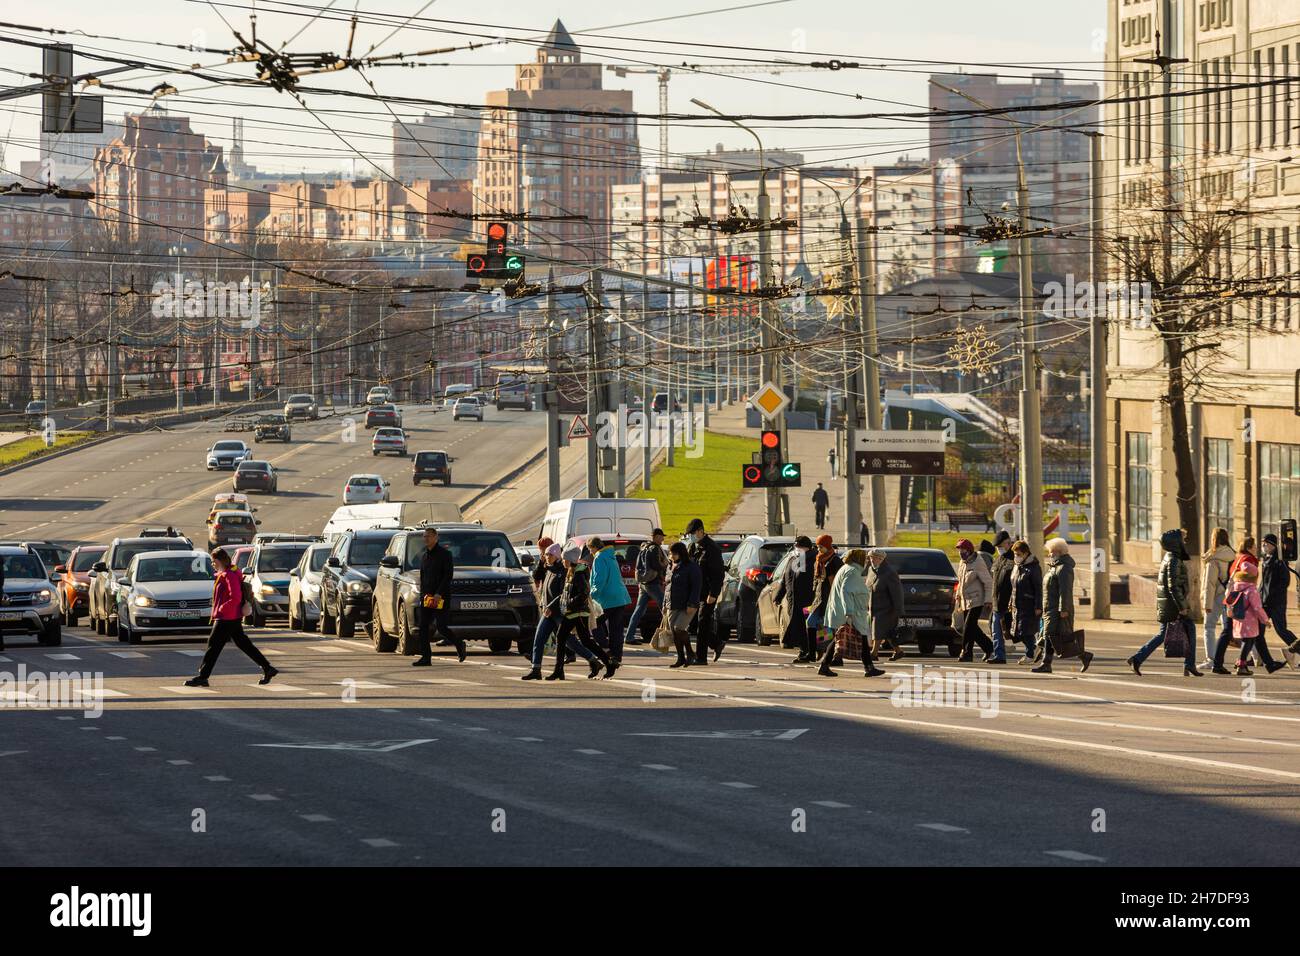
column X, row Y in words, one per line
column 1000, row 622
column 649, row 571
column 1026, row 599
column 1058, row 604
column 575, row 607
column 1216, row 575
column 1274, row 582
column 1248, row 617
column 795, row 591
column 437, row 571
column 549, row 614
column 848, row 606
column 833, row 460
column 609, row 591
column 539, row 569
column 1172, row 607
column 864, row 534
column 821, row 501
column 1246, row 560
column 886, row 604
column 826, row 565
column 705, row 552
column 685, row 584
column 228, row 622
column 974, row 595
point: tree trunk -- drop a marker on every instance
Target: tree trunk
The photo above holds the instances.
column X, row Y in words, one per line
column 1184, row 466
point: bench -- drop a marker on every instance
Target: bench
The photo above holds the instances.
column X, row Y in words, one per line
column 958, row 518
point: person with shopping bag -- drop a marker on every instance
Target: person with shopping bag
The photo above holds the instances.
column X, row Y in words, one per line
column 685, row 586
column 575, row 608
column 826, row 565
column 1026, row 599
column 550, row 596
column 795, row 591
column 1173, row 611
column 1058, row 609
column 886, row 603
column 847, row 614
column 974, row 595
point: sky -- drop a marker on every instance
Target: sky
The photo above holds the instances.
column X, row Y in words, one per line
column 350, row 134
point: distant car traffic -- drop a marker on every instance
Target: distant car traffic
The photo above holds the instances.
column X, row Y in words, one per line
column 304, row 588
column 228, row 454
column 379, row 395
column 232, row 527
column 365, row 490
column 659, row 404
column 167, row 532
column 378, row 415
column 256, row 476
column 241, row 556
column 431, row 466
column 50, row 553
column 301, row 406
column 271, row 565
column 272, row 428
column 30, row 606
column 164, row 592
column 348, row 579
column 74, row 586
column 107, row 574
column 467, row 407
column 389, row 441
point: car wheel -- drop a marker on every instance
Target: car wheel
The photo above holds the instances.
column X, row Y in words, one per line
column 327, row 623
column 52, row 635
column 415, row 481
column 446, row 482
column 499, row 645
column 346, row 626
column 924, row 646
column 97, row 625
column 110, row 627
column 384, row 642
column 406, row 641
column 256, row 619
column 70, row 620
column 764, row 638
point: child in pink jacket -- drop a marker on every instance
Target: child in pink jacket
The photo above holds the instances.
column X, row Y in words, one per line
column 1246, row 614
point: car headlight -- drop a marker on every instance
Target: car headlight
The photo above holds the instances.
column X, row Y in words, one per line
column 359, row 587
column 267, row 589
column 44, row 595
column 144, row 600
column 310, row 588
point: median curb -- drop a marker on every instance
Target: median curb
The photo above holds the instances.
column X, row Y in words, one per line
column 509, row 476
column 40, row 459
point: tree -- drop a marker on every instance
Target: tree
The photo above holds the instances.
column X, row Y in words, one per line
column 900, row 273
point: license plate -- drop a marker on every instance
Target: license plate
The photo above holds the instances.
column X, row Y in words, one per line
column 11, row 615
column 478, row 605
column 181, row 615
column 919, row 621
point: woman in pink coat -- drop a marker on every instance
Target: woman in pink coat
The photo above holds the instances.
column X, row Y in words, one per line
column 1246, row 613
column 227, row 621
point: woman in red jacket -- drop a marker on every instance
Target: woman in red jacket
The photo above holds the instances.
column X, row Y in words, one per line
column 227, row 622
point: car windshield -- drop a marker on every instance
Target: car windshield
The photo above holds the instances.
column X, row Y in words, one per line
column 299, row 399
column 188, row 567
column 770, row 554
column 934, row 564
column 316, row 560
column 236, row 521
column 272, row 419
column 23, row 566
column 284, row 558
column 241, row 558
column 51, row 555
column 389, row 433
column 254, row 466
column 86, row 558
column 124, row 554
column 482, row 549
column 228, row 506
column 368, row 550
column 228, row 445
column 363, row 481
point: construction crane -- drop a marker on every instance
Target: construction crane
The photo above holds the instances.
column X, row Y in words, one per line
column 664, row 73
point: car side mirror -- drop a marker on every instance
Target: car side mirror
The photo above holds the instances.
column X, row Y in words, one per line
column 257, row 522
column 60, row 568
column 334, row 562
column 293, row 573
column 389, row 561
column 99, row 566
column 56, row 577
column 526, row 560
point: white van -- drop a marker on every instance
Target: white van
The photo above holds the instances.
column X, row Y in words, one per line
column 567, row 517
column 453, row 392
column 393, row 514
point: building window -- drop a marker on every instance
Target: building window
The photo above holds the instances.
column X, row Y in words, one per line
column 1139, row 485
column 1279, row 485
column 1218, row 485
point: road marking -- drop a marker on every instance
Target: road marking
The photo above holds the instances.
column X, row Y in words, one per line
column 11, row 753
column 591, row 753
column 738, row 785
column 146, row 750
column 365, row 684
column 63, row 657
column 271, row 650
column 831, row 804
column 658, row 766
column 105, row 692
column 476, row 728
column 263, row 797
column 182, row 689
column 369, row 746
column 115, row 738
column 180, row 763
column 316, row 818
column 218, row 779
column 1076, row 855
column 278, row 688
column 379, row 842
column 943, row 827
column 731, row 734
column 449, row 680
column 89, row 728
column 188, row 652
column 530, row 740
column 327, row 649
column 127, row 654
column 6, row 660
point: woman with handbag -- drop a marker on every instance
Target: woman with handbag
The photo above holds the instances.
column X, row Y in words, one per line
column 575, row 607
column 847, row 613
column 228, row 603
column 685, row 584
column 1058, row 605
column 1216, row 576
column 1026, row 599
column 974, row 595
column 1172, row 609
column 826, row 565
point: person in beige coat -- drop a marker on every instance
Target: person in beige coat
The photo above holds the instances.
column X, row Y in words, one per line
column 974, row 596
column 1216, row 575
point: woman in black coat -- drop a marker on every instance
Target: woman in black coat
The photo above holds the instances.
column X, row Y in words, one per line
column 1026, row 599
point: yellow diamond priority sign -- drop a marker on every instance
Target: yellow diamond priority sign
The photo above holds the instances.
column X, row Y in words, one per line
column 769, row 400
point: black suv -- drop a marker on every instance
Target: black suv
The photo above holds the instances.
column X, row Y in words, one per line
column 491, row 594
column 431, row 466
column 746, row 575
column 348, row 579
column 272, row 428
column 105, row 575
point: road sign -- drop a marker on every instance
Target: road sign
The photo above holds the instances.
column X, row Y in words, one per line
column 579, row 429
column 769, row 400
column 899, row 452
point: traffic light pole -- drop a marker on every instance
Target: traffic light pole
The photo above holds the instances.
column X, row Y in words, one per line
column 870, row 377
column 552, row 397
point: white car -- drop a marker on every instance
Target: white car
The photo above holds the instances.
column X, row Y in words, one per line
column 301, row 406
column 304, row 588
column 467, row 407
column 365, row 490
column 379, row 395
column 389, row 440
column 165, row 592
column 228, row 454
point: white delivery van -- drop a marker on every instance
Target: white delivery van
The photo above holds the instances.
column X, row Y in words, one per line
column 393, row 514
column 567, row 517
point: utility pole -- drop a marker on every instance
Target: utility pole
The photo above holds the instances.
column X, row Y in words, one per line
column 852, row 489
column 215, row 380
column 433, row 354
column 670, row 405
column 47, row 389
column 279, row 337
column 593, row 383
column 870, row 375
column 552, row 395
column 383, row 341
column 618, row 404
column 352, row 349
column 311, row 347
column 112, row 353
column 180, row 374
column 647, row 395
column 1031, row 477
column 1098, row 494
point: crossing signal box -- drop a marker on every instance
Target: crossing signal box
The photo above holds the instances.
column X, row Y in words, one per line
column 769, row 471
column 496, row 261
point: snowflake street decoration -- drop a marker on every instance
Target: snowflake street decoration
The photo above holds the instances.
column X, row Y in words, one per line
column 973, row 349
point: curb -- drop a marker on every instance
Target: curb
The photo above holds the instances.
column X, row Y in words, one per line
column 40, row 459
column 511, row 475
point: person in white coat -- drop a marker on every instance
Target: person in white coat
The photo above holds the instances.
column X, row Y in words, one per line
column 974, row 597
column 1216, row 575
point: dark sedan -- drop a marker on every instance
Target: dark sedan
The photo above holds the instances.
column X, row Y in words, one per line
column 256, row 476
column 378, row 415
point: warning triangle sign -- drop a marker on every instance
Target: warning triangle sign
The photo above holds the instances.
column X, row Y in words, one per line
column 578, row 428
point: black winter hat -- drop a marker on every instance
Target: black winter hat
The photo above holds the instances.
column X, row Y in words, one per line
column 1002, row 536
column 1270, row 539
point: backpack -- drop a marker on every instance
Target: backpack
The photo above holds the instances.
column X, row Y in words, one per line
column 1237, row 605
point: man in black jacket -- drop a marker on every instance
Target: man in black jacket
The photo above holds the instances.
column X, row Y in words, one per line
column 821, row 501
column 1274, row 580
column 705, row 552
column 796, row 592
column 651, row 568
column 436, row 570
column 1003, row 564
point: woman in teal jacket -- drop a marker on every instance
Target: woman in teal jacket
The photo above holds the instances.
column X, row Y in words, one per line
column 848, row 603
column 609, row 591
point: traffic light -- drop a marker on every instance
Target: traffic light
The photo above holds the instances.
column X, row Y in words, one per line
column 770, row 471
column 497, row 232
column 494, row 265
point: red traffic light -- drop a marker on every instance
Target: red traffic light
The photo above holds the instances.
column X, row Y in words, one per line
column 771, row 439
column 476, row 264
column 496, row 231
column 753, row 475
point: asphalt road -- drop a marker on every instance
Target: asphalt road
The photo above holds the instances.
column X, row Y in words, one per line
column 350, row 757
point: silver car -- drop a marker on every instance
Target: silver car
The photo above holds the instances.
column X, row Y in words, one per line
column 301, row 406
column 467, row 407
column 365, row 490
column 228, row 454
column 165, row 592
column 271, row 567
column 304, row 588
